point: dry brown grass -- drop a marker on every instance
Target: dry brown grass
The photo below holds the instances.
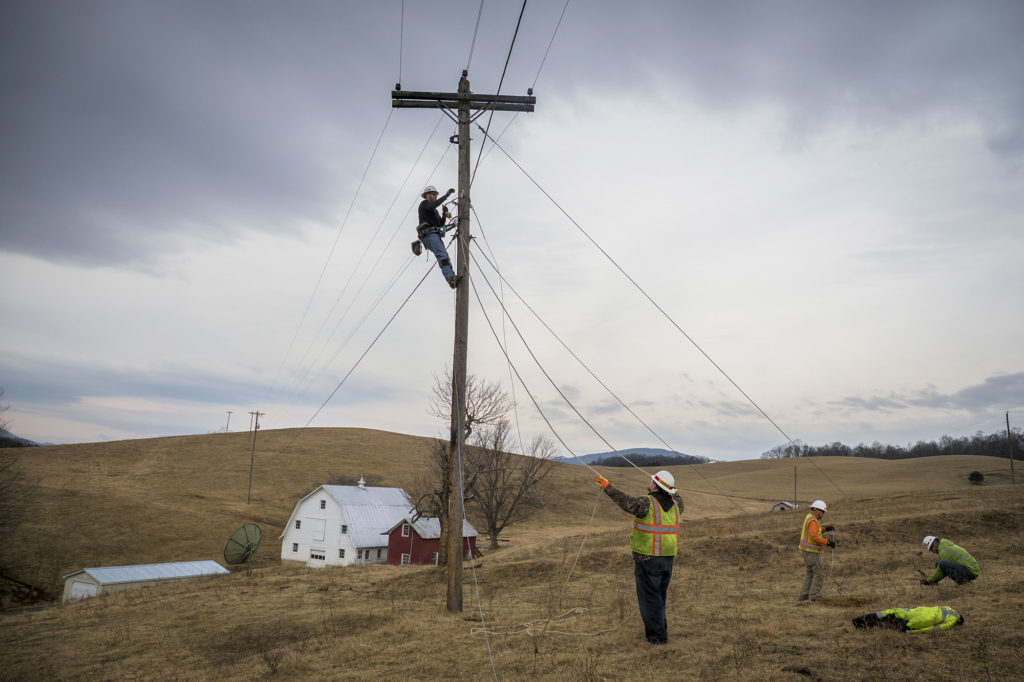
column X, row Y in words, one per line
column 557, row 599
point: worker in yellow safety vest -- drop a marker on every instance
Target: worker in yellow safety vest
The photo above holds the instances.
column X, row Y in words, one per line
column 918, row 619
column 654, row 541
column 812, row 544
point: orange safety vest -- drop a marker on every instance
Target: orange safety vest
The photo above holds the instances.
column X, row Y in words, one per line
column 807, row 539
column 657, row 533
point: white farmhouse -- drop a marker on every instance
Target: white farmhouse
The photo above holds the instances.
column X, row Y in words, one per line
column 338, row 525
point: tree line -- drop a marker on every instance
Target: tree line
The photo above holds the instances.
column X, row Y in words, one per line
column 990, row 445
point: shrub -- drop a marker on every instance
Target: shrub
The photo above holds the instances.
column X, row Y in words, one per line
column 976, row 477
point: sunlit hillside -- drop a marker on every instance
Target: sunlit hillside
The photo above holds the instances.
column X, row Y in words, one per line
column 555, row 601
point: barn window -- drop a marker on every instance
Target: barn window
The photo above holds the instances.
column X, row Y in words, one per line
column 298, row 524
column 317, row 554
column 378, row 553
column 405, row 530
column 323, row 504
column 295, row 547
column 359, row 554
column 341, row 554
column 434, row 558
column 406, row 559
column 344, row 529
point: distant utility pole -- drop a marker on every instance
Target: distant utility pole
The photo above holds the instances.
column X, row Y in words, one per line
column 252, row 457
column 228, row 425
column 1009, row 442
column 458, row 107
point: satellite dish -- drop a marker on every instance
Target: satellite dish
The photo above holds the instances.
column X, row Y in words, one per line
column 242, row 544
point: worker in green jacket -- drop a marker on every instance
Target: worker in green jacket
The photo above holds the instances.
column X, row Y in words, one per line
column 954, row 562
column 918, row 619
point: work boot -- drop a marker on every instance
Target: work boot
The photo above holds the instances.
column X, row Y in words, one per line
column 453, row 280
column 417, row 248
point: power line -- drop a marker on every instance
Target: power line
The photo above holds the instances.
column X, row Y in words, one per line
column 476, row 30
column 330, row 254
column 501, row 81
column 612, row 393
column 373, row 269
column 550, row 43
column 639, row 288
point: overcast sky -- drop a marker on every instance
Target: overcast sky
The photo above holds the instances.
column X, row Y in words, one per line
column 207, row 207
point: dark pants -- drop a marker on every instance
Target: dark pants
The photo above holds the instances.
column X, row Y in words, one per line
column 960, row 574
column 652, row 578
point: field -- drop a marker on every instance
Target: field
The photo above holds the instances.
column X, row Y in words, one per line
column 555, row 601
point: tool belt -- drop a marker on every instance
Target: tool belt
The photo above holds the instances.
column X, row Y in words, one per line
column 423, row 229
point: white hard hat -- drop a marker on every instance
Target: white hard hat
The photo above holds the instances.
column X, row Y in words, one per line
column 928, row 540
column 819, row 504
column 665, row 481
column 428, row 189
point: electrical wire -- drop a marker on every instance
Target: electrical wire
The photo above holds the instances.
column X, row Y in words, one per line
column 334, row 246
column 476, row 30
column 637, row 286
column 501, row 81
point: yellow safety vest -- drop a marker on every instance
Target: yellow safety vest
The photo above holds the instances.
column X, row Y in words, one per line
column 657, row 533
column 924, row 618
column 805, row 536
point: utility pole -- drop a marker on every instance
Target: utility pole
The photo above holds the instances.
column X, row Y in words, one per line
column 460, row 107
column 228, row 425
column 1009, row 442
column 252, row 457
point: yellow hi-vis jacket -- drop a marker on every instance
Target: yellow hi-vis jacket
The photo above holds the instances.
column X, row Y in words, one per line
column 657, row 533
column 924, row 618
column 811, row 539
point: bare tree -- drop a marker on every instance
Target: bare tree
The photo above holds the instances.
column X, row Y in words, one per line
column 4, row 423
column 431, row 496
column 486, row 401
column 505, row 487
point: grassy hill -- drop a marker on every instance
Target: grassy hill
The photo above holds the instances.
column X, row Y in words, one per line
column 556, row 600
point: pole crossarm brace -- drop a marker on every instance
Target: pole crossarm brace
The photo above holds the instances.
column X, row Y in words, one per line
column 406, row 99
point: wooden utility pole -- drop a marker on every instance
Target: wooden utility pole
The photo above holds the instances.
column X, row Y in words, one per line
column 228, row 425
column 252, row 457
column 1009, row 442
column 460, row 107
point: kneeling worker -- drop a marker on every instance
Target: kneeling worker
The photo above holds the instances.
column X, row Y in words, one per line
column 954, row 562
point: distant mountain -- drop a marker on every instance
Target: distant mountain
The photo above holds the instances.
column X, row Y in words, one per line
column 648, row 455
column 9, row 440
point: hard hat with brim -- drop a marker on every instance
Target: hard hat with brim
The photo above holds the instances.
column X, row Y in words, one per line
column 429, row 189
column 819, row 504
column 666, row 481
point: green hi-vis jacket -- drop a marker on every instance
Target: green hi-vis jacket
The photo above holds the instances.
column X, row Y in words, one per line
column 950, row 552
column 924, row 618
column 657, row 533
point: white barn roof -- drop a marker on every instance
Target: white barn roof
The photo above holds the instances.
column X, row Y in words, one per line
column 369, row 511
column 110, row 575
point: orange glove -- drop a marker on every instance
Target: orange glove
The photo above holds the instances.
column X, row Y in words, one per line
column 601, row 481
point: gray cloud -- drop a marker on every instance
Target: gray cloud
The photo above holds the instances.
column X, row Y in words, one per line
column 999, row 392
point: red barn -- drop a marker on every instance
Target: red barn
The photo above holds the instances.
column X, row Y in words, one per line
column 419, row 543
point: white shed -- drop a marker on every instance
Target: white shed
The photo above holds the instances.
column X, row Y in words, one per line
column 90, row 582
column 338, row 525
column 783, row 506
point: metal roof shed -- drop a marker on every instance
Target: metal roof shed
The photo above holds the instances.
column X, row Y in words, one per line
column 90, row 582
